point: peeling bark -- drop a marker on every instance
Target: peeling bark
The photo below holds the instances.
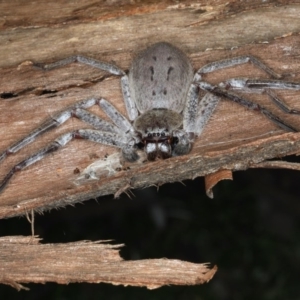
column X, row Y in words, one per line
column 24, row 260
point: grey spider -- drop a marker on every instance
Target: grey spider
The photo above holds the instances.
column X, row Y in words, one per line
column 161, row 94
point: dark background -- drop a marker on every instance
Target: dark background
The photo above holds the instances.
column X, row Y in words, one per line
column 250, row 229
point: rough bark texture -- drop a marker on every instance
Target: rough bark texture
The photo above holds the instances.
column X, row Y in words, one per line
column 91, row 262
column 235, row 139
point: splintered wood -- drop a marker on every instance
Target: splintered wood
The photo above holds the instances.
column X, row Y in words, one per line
column 25, row 260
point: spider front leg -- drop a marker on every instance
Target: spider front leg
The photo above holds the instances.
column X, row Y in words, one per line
column 77, row 110
column 125, row 142
column 129, row 148
column 197, row 113
column 119, row 135
column 195, row 116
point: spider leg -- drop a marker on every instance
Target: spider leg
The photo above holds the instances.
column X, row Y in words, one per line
column 246, row 103
column 190, row 109
column 281, row 104
column 77, row 110
column 206, row 108
column 84, row 60
column 104, row 66
column 195, row 116
column 131, row 109
column 128, row 149
column 231, row 62
column 258, row 85
column 116, row 117
column 197, row 113
column 263, row 86
column 124, row 142
column 185, row 136
column 32, row 159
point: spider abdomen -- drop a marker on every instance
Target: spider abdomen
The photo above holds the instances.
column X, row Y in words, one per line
column 160, row 77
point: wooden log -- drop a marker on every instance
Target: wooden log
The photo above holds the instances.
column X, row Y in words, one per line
column 234, row 139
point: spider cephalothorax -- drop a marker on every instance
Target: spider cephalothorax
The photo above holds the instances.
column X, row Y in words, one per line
column 157, row 128
column 164, row 113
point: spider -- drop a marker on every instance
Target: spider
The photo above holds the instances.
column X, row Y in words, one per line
column 161, row 94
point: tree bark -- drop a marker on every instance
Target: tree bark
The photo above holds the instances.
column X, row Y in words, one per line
column 234, row 139
column 24, row 260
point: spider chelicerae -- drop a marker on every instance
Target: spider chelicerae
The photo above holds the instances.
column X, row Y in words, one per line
column 161, row 95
